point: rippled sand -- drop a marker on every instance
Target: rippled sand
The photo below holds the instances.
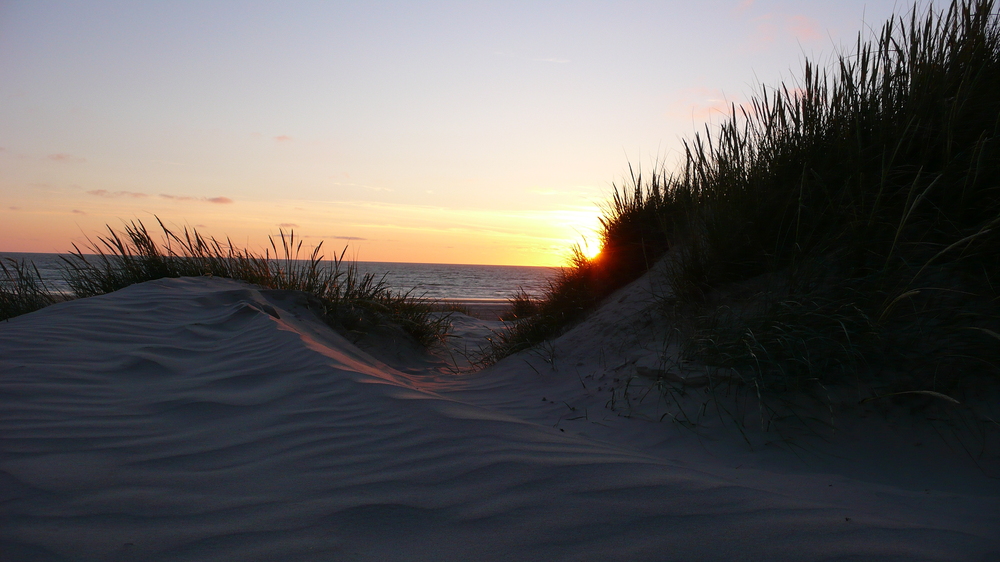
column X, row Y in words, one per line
column 202, row 419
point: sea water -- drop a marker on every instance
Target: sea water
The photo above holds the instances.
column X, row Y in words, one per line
column 433, row 281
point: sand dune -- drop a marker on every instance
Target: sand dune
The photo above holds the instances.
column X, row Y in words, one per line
column 202, row 419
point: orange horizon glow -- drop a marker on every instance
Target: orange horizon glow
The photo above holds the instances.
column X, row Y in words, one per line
column 402, row 234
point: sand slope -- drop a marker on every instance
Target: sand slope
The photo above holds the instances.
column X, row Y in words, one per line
column 199, row 419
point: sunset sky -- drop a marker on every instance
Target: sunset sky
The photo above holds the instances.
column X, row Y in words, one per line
column 465, row 132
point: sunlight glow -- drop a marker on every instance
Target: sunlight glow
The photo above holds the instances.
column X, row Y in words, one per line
column 591, row 251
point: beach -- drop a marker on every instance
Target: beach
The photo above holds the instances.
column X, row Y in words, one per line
column 206, row 419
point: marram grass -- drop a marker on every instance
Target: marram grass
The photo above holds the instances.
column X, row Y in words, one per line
column 866, row 194
column 22, row 289
column 348, row 300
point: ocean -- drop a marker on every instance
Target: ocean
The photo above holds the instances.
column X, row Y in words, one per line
column 433, row 281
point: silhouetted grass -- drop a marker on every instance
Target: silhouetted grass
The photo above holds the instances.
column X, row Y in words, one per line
column 522, row 305
column 872, row 195
column 349, row 300
column 22, row 289
column 866, row 195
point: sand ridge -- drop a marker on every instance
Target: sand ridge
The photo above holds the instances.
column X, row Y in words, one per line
column 203, row 419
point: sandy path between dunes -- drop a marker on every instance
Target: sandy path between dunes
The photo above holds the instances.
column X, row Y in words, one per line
column 199, row 419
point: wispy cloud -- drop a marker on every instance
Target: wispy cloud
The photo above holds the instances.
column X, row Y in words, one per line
column 282, row 138
column 288, row 225
column 14, row 208
column 346, row 238
column 218, row 200
column 78, row 212
column 804, row 28
column 66, row 158
column 744, row 6
column 106, row 193
column 771, row 27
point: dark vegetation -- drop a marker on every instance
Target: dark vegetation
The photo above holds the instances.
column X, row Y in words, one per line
column 22, row 289
column 840, row 230
column 346, row 299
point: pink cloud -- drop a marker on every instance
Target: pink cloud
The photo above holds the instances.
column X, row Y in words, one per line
column 176, row 197
column 771, row 27
column 78, row 212
column 219, row 200
column 106, row 193
column 283, row 138
column 288, row 225
column 63, row 157
column 804, row 28
column 14, row 208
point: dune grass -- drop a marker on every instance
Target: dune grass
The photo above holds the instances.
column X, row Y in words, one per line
column 843, row 229
column 22, row 289
column 348, row 300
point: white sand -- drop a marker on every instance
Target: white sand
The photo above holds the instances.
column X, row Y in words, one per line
column 200, row 419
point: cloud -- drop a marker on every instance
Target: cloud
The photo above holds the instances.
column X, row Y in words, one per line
column 744, row 6
column 106, row 193
column 78, row 212
column 288, row 225
column 14, row 208
column 283, row 138
column 63, row 157
column 218, row 200
column 804, row 28
column 770, row 27
column 346, row 238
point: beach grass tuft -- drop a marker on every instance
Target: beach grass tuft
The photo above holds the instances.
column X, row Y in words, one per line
column 348, row 299
column 841, row 229
column 22, row 289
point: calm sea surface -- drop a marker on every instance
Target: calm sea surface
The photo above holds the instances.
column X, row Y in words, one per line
column 436, row 281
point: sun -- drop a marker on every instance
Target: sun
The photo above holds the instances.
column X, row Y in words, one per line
column 590, row 251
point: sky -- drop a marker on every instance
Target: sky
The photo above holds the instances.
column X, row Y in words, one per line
column 435, row 132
